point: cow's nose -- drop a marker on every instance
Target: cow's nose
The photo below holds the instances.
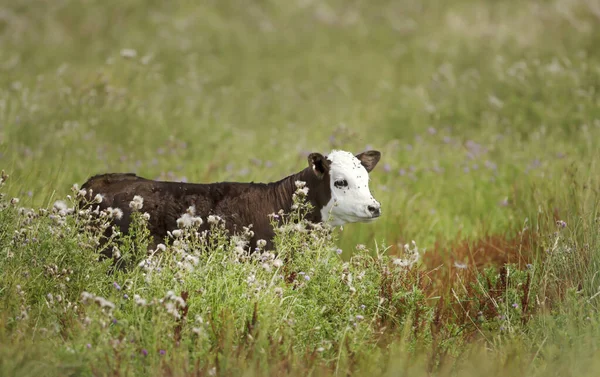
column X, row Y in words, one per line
column 375, row 210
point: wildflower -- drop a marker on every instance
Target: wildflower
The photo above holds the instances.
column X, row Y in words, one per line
column 515, row 305
column 104, row 303
column 300, row 184
column 339, row 251
column 359, row 317
column 320, row 349
column 306, row 277
column 146, row 216
column 261, row 243
column 88, row 345
column 137, row 203
column 145, row 352
column 128, row 53
column 114, row 321
column 161, row 247
column 60, row 205
column 279, row 291
column 460, row 265
column 561, row 224
column 98, row 198
column 117, row 286
column 116, row 213
column 139, row 301
column 162, row 352
column 277, row 263
column 126, row 296
column 213, row 219
column 14, row 201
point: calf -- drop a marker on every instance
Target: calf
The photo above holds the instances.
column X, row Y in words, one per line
column 338, row 189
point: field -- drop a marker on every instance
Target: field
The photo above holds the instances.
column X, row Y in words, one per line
column 486, row 258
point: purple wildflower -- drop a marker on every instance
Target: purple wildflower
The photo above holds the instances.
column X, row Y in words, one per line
column 339, row 251
column 117, row 286
column 162, row 352
column 145, row 352
column 561, row 224
column 88, row 345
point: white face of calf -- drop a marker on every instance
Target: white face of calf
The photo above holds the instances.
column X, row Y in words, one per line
column 351, row 200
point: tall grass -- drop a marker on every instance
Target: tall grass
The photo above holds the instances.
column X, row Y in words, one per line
column 486, row 114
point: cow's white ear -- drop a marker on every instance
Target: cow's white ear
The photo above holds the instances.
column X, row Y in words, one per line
column 369, row 159
column 319, row 164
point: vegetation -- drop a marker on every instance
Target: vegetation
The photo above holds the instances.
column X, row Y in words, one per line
column 487, row 116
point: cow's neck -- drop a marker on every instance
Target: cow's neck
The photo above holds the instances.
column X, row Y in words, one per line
column 285, row 188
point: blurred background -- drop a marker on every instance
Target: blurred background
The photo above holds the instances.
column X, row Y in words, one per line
column 479, row 107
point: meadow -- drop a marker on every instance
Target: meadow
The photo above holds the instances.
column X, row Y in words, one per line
column 484, row 262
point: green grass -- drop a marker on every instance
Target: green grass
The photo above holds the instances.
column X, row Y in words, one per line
column 487, row 114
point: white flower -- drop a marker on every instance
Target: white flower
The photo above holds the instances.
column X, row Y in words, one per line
column 60, row 205
column 277, row 263
column 185, row 221
column 128, row 53
column 116, row 213
column 300, row 184
column 137, row 203
column 139, row 301
column 98, row 198
column 261, row 243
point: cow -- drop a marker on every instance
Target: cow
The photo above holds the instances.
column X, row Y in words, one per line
column 338, row 190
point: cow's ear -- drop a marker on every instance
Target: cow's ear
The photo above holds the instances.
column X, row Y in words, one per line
column 319, row 164
column 369, row 159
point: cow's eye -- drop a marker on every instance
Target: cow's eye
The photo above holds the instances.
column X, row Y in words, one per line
column 341, row 183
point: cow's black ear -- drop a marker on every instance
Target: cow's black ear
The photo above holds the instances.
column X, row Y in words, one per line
column 369, row 159
column 319, row 164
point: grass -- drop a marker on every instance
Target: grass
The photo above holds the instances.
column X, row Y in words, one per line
column 486, row 114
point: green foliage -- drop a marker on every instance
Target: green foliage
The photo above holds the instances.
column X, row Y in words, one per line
column 486, row 114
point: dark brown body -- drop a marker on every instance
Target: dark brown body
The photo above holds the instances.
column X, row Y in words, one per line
column 239, row 204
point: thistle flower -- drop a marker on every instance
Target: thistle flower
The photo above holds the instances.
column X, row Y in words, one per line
column 128, row 53
column 277, row 263
column 137, row 203
column 60, row 206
